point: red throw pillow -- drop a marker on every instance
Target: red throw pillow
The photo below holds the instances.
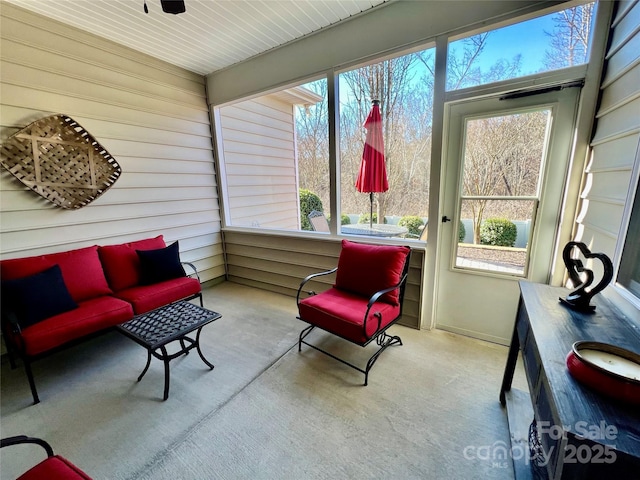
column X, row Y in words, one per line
column 121, row 263
column 364, row 269
column 82, row 272
column 148, row 243
column 13, row 268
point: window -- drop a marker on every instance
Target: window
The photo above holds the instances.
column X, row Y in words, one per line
column 313, row 157
column 274, row 158
column 274, row 152
column 629, row 272
column 543, row 44
column 404, row 87
column 503, row 160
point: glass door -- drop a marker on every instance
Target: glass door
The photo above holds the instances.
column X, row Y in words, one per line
column 506, row 165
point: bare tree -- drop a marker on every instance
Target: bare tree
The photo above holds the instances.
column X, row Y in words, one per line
column 466, row 70
column 502, row 157
column 570, row 37
column 313, row 144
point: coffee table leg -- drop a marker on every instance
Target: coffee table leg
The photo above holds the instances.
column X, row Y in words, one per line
column 210, row 365
column 147, row 366
column 165, row 359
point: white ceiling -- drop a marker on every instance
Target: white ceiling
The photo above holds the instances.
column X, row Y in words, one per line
column 210, row 35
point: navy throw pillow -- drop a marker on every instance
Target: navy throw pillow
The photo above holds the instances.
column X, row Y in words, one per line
column 36, row 297
column 160, row 265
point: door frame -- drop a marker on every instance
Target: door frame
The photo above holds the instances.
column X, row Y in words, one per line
column 554, row 177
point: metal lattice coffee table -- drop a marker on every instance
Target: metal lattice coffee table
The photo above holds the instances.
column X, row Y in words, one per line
column 154, row 330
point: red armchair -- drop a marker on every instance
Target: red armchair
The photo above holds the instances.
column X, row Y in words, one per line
column 54, row 467
column 364, row 302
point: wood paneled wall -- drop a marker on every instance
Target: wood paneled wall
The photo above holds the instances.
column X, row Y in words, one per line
column 151, row 116
column 615, row 146
column 278, row 263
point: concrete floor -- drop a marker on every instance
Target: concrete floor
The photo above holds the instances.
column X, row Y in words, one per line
column 431, row 409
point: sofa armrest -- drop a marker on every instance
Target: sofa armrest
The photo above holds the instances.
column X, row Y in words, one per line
column 10, row 320
column 192, row 267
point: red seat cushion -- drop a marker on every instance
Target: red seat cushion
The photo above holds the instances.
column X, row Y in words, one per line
column 90, row 316
column 82, row 272
column 365, row 269
column 342, row 313
column 149, row 297
column 54, row 468
column 121, row 263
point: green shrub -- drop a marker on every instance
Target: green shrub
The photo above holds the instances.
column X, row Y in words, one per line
column 344, row 219
column 462, row 232
column 364, row 218
column 498, row 231
column 413, row 224
column 309, row 201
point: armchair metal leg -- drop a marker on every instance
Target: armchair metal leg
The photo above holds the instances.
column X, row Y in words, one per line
column 383, row 340
column 303, row 334
column 12, row 355
column 12, row 360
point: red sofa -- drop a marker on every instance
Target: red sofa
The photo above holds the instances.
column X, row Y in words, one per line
column 51, row 301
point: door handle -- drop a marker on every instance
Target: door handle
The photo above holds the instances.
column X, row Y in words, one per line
column 445, row 219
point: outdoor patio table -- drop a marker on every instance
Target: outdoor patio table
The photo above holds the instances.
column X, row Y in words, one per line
column 375, row 230
column 154, row 330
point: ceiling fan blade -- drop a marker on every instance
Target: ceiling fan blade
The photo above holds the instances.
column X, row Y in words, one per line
column 173, row 6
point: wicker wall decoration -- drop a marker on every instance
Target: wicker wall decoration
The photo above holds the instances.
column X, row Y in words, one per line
column 58, row 159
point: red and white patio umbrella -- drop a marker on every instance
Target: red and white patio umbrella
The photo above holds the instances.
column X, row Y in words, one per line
column 372, row 176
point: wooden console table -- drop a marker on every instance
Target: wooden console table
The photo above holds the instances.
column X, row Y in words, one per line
column 584, row 434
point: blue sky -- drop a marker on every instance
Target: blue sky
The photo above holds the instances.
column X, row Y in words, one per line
column 528, row 39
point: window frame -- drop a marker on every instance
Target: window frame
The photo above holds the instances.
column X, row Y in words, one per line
column 440, row 43
column 619, row 288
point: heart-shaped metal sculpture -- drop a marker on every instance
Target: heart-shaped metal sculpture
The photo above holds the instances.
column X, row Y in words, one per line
column 582, row 277
column 58, row 159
